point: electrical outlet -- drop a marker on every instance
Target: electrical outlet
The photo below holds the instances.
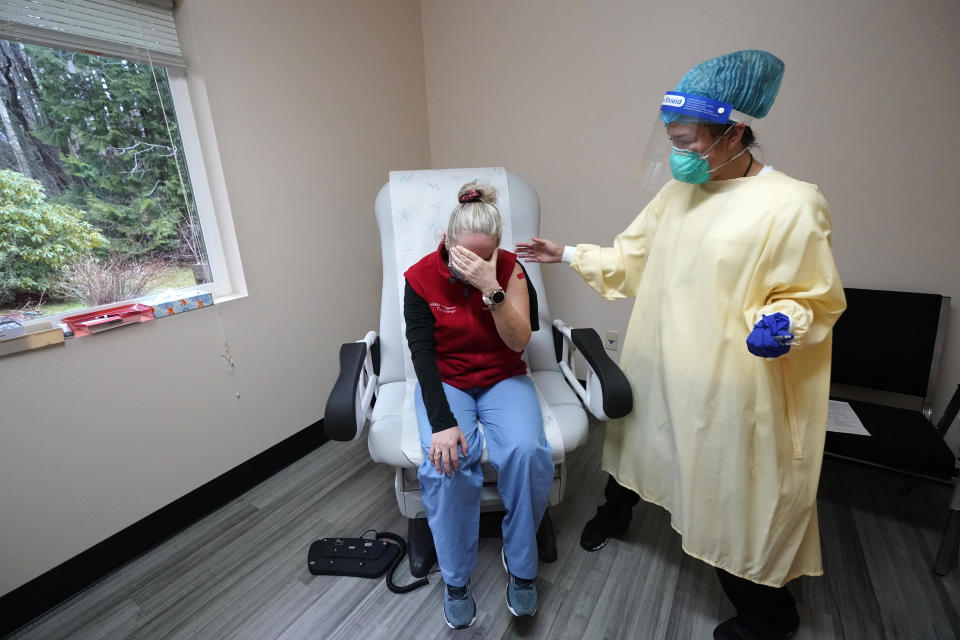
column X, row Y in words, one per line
column 612, row 343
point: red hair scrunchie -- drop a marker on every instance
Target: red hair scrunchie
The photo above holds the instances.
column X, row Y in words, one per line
column 470, row 196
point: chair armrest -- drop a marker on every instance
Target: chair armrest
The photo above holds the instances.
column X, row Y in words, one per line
column 606, row 392
column 950, row 413
column 351, row 399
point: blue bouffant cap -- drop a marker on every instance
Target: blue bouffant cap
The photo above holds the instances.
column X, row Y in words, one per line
column 749, row 80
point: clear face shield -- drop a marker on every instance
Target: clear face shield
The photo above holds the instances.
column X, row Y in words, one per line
column 686, row 131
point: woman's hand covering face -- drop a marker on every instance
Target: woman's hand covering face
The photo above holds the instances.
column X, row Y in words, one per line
column 478, row 272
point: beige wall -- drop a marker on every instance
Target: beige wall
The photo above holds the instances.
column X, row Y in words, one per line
column 313, row 103
column 565, row 93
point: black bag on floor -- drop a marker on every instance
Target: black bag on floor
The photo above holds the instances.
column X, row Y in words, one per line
column 360, row 558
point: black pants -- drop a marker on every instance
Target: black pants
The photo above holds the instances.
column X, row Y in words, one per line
column 771, row 612
column 618, row 509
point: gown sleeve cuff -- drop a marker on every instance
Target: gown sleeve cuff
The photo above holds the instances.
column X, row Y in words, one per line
column 569, row 253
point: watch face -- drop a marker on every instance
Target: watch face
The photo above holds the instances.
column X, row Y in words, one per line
column 497, row 296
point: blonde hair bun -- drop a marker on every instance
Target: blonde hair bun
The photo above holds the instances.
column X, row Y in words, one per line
column 477, row 192
column 476, row 213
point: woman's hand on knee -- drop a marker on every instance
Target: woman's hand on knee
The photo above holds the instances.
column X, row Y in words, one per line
column 443, row 449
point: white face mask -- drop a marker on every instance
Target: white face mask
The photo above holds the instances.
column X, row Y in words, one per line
column 453, row 271
column 456, row 274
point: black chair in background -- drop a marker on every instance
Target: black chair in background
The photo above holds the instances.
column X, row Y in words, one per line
column 886, row 355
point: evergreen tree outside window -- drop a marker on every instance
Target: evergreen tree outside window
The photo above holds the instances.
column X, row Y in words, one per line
column 97, row 135
column 111, row 186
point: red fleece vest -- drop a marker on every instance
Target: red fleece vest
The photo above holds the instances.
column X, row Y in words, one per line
column 470, row 352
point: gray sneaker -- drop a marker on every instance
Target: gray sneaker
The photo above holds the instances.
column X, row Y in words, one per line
column 521, row 594
column 459, row 607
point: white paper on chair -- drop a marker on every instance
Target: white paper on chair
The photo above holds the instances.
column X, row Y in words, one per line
column 842, row 419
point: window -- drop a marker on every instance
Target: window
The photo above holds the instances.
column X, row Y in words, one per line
column 103, row 189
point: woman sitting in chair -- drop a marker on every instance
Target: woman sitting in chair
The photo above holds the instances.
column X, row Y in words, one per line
column 467, row 312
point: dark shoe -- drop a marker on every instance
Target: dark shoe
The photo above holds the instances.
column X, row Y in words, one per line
column 737, row 629
column 459, row 607
column 734, row 629
column 521, row 594
column 597, row 532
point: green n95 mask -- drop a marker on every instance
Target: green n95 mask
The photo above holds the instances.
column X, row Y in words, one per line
column 689, row 166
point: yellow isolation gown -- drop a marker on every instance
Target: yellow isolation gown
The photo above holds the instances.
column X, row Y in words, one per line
column 729, row 443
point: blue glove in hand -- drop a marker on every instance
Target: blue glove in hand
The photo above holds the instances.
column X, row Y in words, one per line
column 770, row 337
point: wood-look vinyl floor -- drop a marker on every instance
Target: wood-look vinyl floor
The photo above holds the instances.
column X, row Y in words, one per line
column 242, row 573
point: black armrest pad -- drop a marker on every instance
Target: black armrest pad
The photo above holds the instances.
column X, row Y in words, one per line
column 340, row 417
column 617, row 394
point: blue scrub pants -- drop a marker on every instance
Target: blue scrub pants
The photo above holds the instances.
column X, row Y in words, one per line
column 517, row 449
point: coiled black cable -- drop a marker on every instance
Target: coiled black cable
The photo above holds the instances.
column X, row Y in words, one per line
column 407, row 588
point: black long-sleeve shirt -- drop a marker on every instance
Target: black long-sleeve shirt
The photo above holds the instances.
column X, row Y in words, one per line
column 422, row 344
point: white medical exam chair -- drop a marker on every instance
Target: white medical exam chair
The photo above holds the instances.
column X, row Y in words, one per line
column 376, row 382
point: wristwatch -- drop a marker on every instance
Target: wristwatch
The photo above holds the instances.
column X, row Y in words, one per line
column 497, row 296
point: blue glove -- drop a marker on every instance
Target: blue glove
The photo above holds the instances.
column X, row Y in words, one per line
column 770, row 337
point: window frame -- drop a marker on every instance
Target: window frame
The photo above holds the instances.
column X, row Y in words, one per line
column 202, row 159
column 204, row 173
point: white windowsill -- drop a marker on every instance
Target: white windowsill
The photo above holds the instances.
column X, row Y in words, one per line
column 56, row 320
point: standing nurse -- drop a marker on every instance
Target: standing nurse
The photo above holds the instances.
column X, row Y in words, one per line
column 727, row 349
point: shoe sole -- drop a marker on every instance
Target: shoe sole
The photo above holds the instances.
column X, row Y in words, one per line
column 596, row 548
column 503, row 559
